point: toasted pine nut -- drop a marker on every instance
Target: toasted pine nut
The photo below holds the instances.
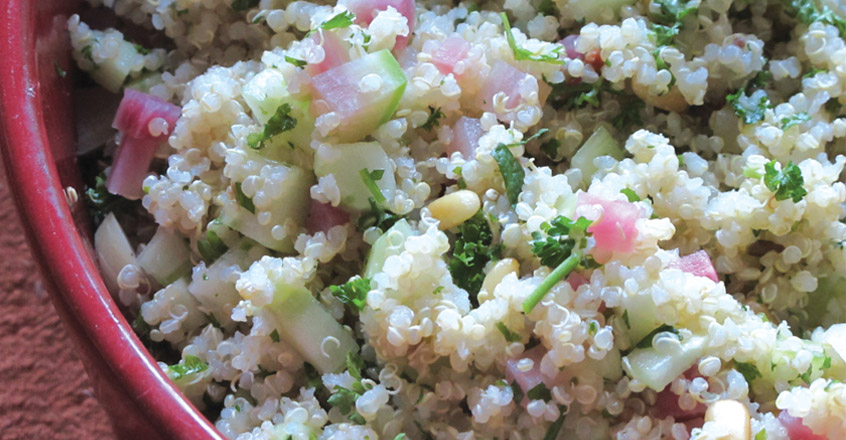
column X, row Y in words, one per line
column 455, row 208
column 499, row 271
column 732, row 415
column 672, row 101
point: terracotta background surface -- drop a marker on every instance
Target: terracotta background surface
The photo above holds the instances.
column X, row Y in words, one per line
column 44, row 391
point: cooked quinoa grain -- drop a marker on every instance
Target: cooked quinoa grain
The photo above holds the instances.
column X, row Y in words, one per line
column 520, row 220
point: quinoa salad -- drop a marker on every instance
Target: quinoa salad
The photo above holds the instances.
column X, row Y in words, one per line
column 529, row 219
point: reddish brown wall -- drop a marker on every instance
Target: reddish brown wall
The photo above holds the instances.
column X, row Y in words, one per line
column 44, row 392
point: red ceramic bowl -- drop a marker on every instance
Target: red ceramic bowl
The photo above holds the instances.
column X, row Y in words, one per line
column 38, row 144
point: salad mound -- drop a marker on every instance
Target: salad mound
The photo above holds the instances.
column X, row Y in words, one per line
column 545, row 219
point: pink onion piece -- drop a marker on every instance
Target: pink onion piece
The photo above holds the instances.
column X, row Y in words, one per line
column 614, row 230
column 335, row 52
column 452, row 50
column 697, row 263
column 366, row 10
column 146, row 122
column 465, row 137
column 323, row 216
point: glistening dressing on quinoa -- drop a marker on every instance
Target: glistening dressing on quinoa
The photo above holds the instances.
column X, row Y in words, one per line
column 539, row 219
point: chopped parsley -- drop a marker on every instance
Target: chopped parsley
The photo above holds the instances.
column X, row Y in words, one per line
column 86, row 53
column 664, row 35
column 807, row 12
column 761, row 435
column 243, row 5
column 593, row 327
column 673, row 12
column 400, row 436
column 550, row 148
column 646, row 342
column 629, row 116
column 540, row 392
column 559, row 238
column 511, row 170
column 190, row 365
column 211, row 247
column 377, row 216
column 813, row 72
column 794, row 120
column 750, row 108
column 243, row 200
column 295, row 61
column 760, row 80
column 517, row 391
column 626, row 319
column 433, row 121
column 354, row 364
column 560, row 248
column 274, row 335
column 344, row 399
column 787, row 183
column 555, row 427
column 141, row 49
column 342, row 20
column 101, row 202
column 353, row 293
column 507, row 333
column 473, row 249
column 59, row 71
column 521, row 54
column 280, row 122
column 369, row 178
column 749, row 371
column 630, row 194
column 547, row 7
column 575, row 96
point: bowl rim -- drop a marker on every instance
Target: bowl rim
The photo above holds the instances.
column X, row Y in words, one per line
column 77, row 289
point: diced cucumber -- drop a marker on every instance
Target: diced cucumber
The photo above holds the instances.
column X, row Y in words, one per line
column 364, row 93
column 294, row 146
column 597, row 11
column 214, row 285
column 166, row 257
column 264, row 94
column 640, row 316
column 174, row 297
column 113, row 251
column 389, row 243
column 192, row 376
column 345, row 163
column 292, row 206
column 600, row 143
column 112, row 73
column 308, row 327
column 657, row 369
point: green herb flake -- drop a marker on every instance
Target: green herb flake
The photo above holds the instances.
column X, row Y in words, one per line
column 630, row 194
column 343, row 399
column 626, row 319
column 517, row 391
column 539, row 392
column 550, row 148
column 312, row 376
column 243, row 5
column 748, row 109
column 511, row 170
column 673, row 11
column 59, row 71
column 813, row 72
column 280, row 122
column 211, row 247
column 629, row 116
column 794, row 120
column 749, row 371
column 377, row 216
column 807, row 12
column 806, row 376
column 369, row 178
column 552, row 279
column 101, row 202
column 646, row 342
column 787, row 183
column 295, row 61
column 353, row 293
column 472, row 250
column 400, row 436
column 761, row 79
column 342, row 20
column 664, row 35
column 562, row 236
column 435, row 114
column 141, row 49
column 555, row 427
column 274, row 335
column 190, row 365
column 521, row 54
column 243, row 200
column 593, row 327
column 761, row 435
column 507, row 333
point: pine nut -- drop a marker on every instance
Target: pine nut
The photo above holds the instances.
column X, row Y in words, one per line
column 455, row 208
column 732, row 415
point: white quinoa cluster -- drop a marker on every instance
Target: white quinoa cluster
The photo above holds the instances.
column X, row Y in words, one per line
column 708, row 111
